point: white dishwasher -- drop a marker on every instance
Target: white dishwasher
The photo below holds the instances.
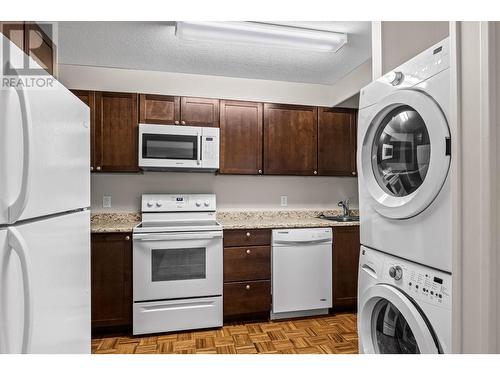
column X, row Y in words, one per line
column 301, row 272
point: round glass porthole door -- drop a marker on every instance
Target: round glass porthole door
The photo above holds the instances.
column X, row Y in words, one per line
column 389, row 323
column 391, row 331
column 401, row 152
column 404, row 157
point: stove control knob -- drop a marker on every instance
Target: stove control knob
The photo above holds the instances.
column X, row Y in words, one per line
column 198, row 203
column 207, row 203
column 159, row 204
column 150, row 204
column 396, row 272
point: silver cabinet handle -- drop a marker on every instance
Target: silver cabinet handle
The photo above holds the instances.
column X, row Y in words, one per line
column 98, row 168
column 260, row 171
column 315, row 172
column 249, row 251
column 18, row 244
column 91, row 169
column 354, row 173
column 176, row 122
column 127, row 238
column 247, row 287
column 248, row 234
column 183, row 122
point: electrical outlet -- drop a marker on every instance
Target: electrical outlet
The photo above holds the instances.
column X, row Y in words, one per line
column 284, row 200
column 106, row 201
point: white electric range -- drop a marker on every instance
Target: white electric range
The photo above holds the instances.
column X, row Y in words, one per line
column 177, row 264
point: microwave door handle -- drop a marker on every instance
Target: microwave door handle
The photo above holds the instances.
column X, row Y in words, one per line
column 198, row 153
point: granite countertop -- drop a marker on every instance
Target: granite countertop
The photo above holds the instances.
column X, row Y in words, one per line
column 280, row 219
column 114, row 222
column 125, row 222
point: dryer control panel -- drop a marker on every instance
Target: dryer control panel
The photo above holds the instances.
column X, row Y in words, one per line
column 423, row 284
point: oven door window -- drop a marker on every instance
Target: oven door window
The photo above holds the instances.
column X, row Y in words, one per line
column 169, row 146
column 178, row 264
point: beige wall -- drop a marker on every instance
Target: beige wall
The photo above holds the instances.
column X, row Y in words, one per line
column 233, row 192
column 394, row 43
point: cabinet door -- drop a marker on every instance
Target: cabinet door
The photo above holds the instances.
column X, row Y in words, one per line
column 345, row 266
column 337, row 142
column 241, row 137
column 159, row 109
column 200, row 112
column 39, row 46
column 116, row 132
column 111, row 279
column 14, row 31
column 290, row 139
column 88, row 97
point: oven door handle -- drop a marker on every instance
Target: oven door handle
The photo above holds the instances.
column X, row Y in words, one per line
column 184, row 236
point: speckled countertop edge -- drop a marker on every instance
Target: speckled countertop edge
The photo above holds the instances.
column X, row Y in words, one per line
column 125, row 222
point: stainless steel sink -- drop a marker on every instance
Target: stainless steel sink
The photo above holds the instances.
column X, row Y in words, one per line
column 340, row 218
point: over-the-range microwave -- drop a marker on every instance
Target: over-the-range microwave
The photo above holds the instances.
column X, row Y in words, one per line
column 178, row 147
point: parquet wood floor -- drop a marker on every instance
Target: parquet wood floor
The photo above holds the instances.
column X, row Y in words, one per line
column 330, row 334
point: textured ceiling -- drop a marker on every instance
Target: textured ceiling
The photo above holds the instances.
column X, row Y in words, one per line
column 153, row 46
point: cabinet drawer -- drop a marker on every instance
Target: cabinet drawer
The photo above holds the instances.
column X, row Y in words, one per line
column 247, row 237
column 247, row 263
column 247, row 297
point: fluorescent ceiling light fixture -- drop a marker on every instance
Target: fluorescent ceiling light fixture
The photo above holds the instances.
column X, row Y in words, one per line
column 262, row 34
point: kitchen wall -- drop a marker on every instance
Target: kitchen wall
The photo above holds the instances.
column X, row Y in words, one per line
column 393, row 42
column 233, row 192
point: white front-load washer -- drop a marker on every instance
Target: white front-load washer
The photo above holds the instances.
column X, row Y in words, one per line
column 404, row 154
column 403, row 307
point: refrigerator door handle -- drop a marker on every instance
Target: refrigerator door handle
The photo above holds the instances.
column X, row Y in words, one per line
column 18, row 244
column 17, row 207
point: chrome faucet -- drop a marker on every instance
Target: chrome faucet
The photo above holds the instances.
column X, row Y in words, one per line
column 345, row 207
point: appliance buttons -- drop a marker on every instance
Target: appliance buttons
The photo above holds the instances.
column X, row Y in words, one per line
column 198, row 203
column 159, row 204
column 207, row 203
column 150, row 204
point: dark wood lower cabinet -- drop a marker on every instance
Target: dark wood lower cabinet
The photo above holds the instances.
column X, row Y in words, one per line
column 346, row 248
column 247, row 298
column 111, row 281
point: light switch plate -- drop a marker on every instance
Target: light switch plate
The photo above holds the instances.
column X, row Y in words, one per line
column 106, row 201
column 284, row 200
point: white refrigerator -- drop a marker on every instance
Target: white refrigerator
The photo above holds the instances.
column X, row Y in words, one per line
column 44, row 217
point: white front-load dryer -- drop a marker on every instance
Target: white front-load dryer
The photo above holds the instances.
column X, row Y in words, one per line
column 404, row 155
column 403, row 307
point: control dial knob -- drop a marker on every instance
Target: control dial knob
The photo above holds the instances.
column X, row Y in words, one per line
column 158, row 204
column 150, row 204
column 198, row 203
column 396, row 272
column 207, row 203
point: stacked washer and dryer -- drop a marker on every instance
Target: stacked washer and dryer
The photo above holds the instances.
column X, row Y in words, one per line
column 404, row 154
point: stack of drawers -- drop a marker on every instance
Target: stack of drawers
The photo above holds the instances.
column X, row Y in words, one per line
column 247, row 273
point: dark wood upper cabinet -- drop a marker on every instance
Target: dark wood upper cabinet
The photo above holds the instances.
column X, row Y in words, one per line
column 14, row 31
column 337, row 141
column 111, row 280
column 116, row 132
column 200, row 112
column 240, row 137
column 346, row 249
column 290, row 139
column 39, row 46
column 159, row 109
column 88, row 97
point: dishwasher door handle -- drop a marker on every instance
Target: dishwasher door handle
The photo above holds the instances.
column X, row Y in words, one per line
column 305, row 242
